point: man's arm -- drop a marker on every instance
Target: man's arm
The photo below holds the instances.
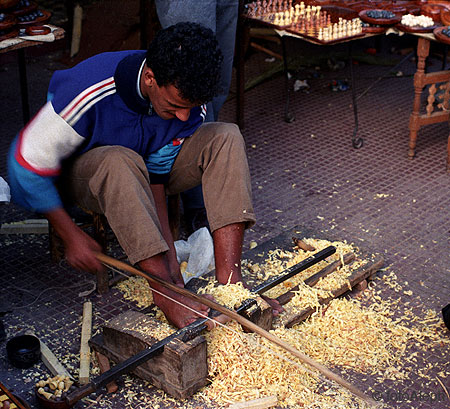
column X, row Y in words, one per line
column 79, row 246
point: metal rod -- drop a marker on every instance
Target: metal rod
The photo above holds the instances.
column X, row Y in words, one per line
column 292, row 271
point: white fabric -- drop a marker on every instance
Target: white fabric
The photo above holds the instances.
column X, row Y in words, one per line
column 48, row 139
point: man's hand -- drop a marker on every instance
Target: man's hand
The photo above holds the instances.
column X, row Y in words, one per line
column 80, row 248
column 80, row 252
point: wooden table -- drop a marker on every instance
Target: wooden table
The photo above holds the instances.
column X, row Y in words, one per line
column 436, row 111
column 243, row 38
column 19, row 45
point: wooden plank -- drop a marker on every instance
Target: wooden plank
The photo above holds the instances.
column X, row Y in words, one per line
column 260, row 403
column 313, row 280
column 50, row 360
column 30, row 226
column 261, row 315
column 85, row 351
column 103, row 364
column 359, row 275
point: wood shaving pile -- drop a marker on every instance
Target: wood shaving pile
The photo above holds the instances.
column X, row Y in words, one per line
column 230, row 295
column 240, row 370
column 279, row 260
column 136, row 289
column 346, row 333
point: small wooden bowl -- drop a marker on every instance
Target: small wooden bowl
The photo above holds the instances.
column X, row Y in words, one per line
column 379, row 21
column 8, row 22
column 7, row 4
column 440, row 36
column 51, row 403
column 38, row 21
column 445, row 17
column 22, row 11
column 37, row 30
column 417, row 29
column 433, row 11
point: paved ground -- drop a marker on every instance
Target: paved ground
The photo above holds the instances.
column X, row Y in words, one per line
column 304, row 174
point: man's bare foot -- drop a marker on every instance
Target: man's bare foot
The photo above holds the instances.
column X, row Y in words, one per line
column 177, row 314
column 276, row 306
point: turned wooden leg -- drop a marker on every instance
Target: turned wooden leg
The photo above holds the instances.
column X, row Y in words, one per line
column 423, row 49
column 448, row 155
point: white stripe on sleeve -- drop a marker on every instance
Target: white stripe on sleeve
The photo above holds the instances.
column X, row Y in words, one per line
column 48, row 139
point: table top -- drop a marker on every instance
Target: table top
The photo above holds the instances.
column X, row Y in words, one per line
column 15, row 43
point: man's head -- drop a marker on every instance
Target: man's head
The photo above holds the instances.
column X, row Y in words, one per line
column 187, row 57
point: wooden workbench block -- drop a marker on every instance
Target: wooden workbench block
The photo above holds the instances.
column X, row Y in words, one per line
column 180, row 370
column 261, row 315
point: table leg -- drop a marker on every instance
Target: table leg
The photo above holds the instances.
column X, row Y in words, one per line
column 448, row 155
column 241, row 40
column 288, row 117
column 356, row 142
column 423, row 49
column 23, row 85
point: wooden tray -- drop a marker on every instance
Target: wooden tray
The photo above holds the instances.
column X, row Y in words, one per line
column 24, row 10
column 37, row 21
column 374, row 29
column 9, row 34
column 441, row 37
column 379, row 21
column 15, row 401
column 323, row 42
column 445, row 17
column 433, row 11
column 417, row 29
column 8, row 22
column 415, row 10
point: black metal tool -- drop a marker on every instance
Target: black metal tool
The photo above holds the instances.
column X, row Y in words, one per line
column 122, row 368
column 200, row 325
column 446, row 315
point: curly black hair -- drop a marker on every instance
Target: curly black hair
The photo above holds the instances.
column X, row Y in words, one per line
column 187, row 56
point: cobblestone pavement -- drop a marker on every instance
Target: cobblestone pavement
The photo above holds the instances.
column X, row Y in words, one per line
column 305, row 174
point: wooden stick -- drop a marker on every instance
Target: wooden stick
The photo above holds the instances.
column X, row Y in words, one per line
column 49, row 359
column 103, row 364
column 85, row 352
column 76, row 31
column 313, row 280
column 261, row 403
column 243, row 321
column 357, row 276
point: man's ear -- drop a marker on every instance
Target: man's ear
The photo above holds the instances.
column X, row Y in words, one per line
column 149, row 77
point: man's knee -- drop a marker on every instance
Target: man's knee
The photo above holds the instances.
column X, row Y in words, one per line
column 228, row 134
column 119, row 157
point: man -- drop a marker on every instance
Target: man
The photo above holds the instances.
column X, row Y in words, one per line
column 221, row 17
column 119, row 132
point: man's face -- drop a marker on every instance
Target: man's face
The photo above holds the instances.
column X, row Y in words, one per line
column 166, row 100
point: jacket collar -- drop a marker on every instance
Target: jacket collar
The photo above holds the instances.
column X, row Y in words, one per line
column 127, row 80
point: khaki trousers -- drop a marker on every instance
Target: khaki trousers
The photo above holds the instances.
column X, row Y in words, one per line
column 113, row 180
